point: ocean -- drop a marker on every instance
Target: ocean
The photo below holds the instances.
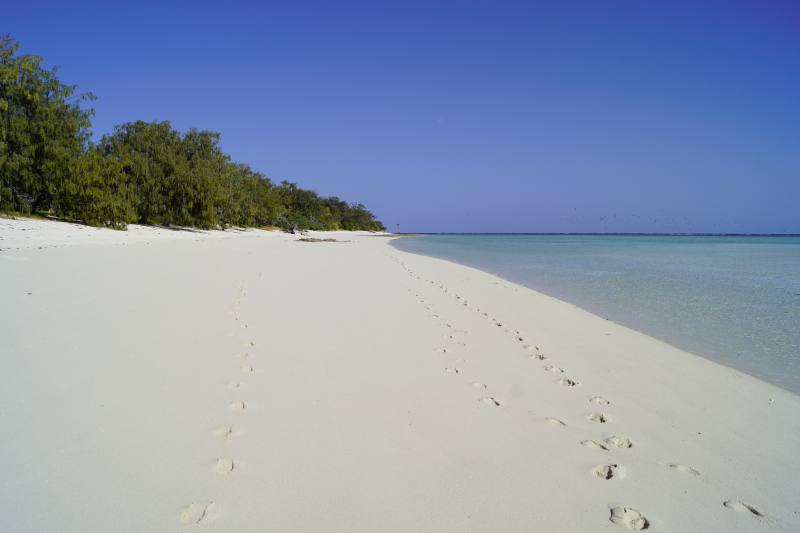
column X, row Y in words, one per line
column 731, row 299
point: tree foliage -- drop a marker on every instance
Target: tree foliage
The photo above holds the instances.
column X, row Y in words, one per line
column 144, row 172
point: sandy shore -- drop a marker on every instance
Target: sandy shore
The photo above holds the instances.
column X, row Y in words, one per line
column 248, row 382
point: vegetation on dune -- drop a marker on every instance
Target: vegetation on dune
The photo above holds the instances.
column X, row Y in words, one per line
column 143, row 172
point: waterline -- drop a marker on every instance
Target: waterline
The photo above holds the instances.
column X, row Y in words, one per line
column 732, row 299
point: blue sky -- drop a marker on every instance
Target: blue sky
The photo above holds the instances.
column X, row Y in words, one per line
column 467, row 115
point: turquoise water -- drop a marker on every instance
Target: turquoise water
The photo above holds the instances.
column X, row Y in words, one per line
column 735, row 300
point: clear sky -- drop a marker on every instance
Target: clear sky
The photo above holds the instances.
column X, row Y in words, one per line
column 467, row 115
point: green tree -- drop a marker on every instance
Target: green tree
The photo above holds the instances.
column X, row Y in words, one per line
column 252, row 199
column 102, row 196
column 147, row 172
column 149, row 153
column 43, row 130
column 197, row 196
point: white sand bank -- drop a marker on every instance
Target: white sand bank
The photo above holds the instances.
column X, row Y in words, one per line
column 23, row 233
column 263, row 384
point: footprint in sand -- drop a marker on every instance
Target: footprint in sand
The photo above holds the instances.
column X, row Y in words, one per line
column 538, row 357
column 553, row 368
column 224, row 466
column 599, row 400
column 490, row 401
column 478, row 385
column 600, row 418
column 195, row 512
column 618, row 442
column 237, row 406
column 594, row 445
column 555, row 422
column 452, row 370
column 741, row 507
column 568, row 382
column 610, row 471
column 628, row 518
column 224, row 432
column 684, row 468
column 233, row 385
column 247, row 369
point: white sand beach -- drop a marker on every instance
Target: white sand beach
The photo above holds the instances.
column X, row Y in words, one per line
column 163, row 381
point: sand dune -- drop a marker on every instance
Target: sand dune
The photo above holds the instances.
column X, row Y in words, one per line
column 223, row 381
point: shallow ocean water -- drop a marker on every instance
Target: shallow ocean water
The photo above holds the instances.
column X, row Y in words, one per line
column 732, row 299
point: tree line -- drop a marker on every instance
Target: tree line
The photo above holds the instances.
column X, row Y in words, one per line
column 142, row 172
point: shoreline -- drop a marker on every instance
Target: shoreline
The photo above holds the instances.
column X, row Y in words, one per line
column 231, row 384
column 516, row 285
column 683, row 343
